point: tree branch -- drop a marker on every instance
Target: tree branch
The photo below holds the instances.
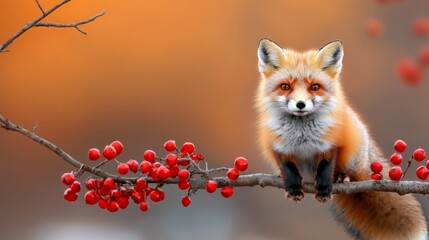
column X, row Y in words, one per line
column 74, row 24
column 37, row 23
column 256, row 179
column 40, row 7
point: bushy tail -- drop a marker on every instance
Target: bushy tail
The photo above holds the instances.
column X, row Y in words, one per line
column 381, row 215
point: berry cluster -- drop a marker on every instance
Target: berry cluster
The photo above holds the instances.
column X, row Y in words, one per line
column 178, row 166
column 410, row 70
column 395, row 172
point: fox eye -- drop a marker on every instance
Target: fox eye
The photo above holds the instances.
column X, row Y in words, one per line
column 284, row 87
column 315, row 87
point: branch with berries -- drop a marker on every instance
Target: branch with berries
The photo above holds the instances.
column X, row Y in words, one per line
column 190, row 172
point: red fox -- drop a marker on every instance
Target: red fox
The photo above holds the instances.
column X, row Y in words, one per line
column 311, row 134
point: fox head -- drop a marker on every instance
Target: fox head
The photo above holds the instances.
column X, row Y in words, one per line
column 299, row 83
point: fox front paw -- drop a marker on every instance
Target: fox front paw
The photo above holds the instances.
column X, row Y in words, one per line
column 323, row 193
column 294, row 193
column 322, row 197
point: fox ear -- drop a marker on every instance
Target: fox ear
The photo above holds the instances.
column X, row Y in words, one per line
column 331, row 55
column 270, row 56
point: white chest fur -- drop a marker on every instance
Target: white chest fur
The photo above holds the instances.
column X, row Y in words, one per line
column 301, row 136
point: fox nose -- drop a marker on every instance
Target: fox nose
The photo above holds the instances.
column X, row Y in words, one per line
column 300, row 105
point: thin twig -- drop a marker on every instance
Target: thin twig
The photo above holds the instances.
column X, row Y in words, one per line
column 39, row 19
column 408, row 166
column 40, row 7
column 220, row 169
column 68, row 25
column 256, row 179
column 102, row 163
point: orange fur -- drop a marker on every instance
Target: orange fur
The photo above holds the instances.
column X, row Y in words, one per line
column 373, row 215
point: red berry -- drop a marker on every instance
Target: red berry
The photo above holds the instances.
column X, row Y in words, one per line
column 148, row 190
column 144, row 206
column 409, row 71
column 183, row 185
column 422, row 172
column 373, row 27
column 161, row 193
column 109, row 183
column 241, row 164
column 197, row 157
column 91, row 184
column 211, row 186
column 67, row 178
column 186, row 200
column 421, row 26
column 115, row 194
column 156, row 164
column 395, row 173
column 174, row 171
column 200, row 156
column 109, row 152
column 149, row 155
column 376, row 176
column 91, row 198
column 419, row 154
column 103, row 204
column 400, row 146
column 183, row 175
column 155, row 195
column 396, row 158
column 118, row 147
column 138, row 197
column 171, row 159
column 126, row 193
column 424, row 56
column 123, row 168
column 427, row 164
column 134, row 165
column 226, row 191
column 188, row 147
column 154, row 175
column 233, row 174
column 141, row 184
column 376, row 167
column 163, row 172
column 104, row 191
column 76, row 187
column 146, row 167
column 123, row 202
column 184, row 163
column 94, row 154
column 113, row 206
column 170, row 145
column 69, row 195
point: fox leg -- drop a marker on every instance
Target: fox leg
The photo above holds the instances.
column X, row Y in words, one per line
column 323, row 178
column 292, row 181
column 324, row 181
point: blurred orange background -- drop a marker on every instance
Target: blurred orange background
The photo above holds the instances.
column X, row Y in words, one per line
column 149, row 71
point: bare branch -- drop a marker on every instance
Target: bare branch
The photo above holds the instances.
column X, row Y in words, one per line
column 38, row 22
column 256, row 179
column 268, row 180
column 80, row 30
column 68, row 25
column 40, row 7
